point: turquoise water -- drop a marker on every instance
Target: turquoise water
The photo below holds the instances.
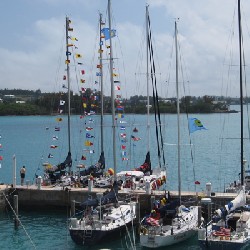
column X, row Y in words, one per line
column 213, row 157
column 48, row 230
column 215, row 154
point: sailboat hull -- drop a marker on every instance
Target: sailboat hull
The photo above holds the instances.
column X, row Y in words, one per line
column 163, row 240
column 223, row 244
column 166, row 235
column 93, row 237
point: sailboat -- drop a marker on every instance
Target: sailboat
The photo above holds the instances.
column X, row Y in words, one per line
column 173, row 223
column 63, row 171
column 230, row 225
column 109, row 219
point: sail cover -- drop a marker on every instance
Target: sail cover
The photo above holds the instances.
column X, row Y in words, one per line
column 239, row 201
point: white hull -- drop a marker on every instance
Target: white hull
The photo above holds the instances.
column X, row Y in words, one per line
column 159, row 236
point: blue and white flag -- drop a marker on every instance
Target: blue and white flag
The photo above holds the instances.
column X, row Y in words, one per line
column 106, row 33
column 194, row 125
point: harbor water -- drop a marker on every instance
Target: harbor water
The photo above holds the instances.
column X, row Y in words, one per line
column 214, row 156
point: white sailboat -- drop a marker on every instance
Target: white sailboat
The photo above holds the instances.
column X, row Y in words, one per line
column 109, row 220
column 230, row 226
column 165, row 230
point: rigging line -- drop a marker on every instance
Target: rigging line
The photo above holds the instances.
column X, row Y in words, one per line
column 157, row 99
column 19, row 221
column 152, row 70
column 244, row 63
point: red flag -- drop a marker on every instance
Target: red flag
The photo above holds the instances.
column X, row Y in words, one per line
column 1, row 158
column 82, row 72
column 84, row 158
column 197, row 183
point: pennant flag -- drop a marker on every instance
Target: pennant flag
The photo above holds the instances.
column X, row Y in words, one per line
column 124, row 159
column 64, row 77
column 78, row 56
column 88, row 135
column 122, row 128
column 98, row 74
column 59, row 119
column 82, row 72
column 70, row 29
column 194, row 125
column 53, row 146
column 119, row 108
column 99, row 66
column 114, row 74
column 91, row 151
column 124, row 153
column 108, row 46
column 123, row 135
column 116, row 81
column 107, row 34
column 120, row 115
column 123, row 146
column 83, row 158
column 68, row 53
column 57, row 128
column 70, row 45
column 91, row 120
column 88, row 128
column 88, row 143
column 83, row 90
column 197, row 183
column 100, row 51
column 117, row 88
column 135, row 138
column 67, row 61
column 1, row 158
column 55, row 138
column 50, row 156
column 79, row 63
column 82, row 81
column 123, row 122
column 74, row 39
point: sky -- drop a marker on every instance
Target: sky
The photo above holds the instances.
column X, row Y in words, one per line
column 32, row 31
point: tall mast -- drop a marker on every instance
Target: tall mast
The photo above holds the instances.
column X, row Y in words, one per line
column 112, row 90
column 101, row 77
column 241, row 97
column 178, row 114
column 68, row 79
column 147, row 48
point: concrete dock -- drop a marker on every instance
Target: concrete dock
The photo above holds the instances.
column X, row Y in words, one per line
column 30, row 196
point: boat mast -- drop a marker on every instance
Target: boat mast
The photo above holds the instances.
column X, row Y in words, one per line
column 112, row 90
column 147, row 49
column 178, row 114
column 241, row 96
column 101, row 77
column 68, row 79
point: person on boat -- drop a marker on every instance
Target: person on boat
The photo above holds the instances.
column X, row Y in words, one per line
column 22, row 174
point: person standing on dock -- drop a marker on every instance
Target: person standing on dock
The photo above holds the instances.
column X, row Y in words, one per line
column 22, row 174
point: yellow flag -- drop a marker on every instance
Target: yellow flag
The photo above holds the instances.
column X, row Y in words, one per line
column 78, row 55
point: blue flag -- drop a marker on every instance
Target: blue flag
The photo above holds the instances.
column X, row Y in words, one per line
column 194, row 125
column 106, row 33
